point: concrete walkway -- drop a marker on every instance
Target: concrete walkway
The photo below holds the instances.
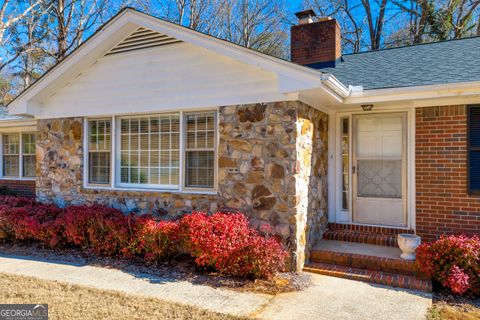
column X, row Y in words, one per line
column 327, row 298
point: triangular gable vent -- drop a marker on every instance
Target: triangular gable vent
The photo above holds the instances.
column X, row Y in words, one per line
column 142, row 38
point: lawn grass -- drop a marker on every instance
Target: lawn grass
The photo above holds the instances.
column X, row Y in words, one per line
column 444, row 311
column 68, row 302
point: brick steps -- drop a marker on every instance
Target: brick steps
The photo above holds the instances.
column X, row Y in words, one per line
column 367, row 229
column 371, row 276
column 378, row 239
column 369, row 262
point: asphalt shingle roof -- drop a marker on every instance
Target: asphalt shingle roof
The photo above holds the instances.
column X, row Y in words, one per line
column 451, row 61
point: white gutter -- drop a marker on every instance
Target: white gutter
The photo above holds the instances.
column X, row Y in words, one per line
column 335, row 85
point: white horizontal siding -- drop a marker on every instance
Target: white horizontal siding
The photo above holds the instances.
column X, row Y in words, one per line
column 177, row 76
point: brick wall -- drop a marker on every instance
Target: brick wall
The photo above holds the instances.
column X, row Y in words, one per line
column 443, row 204
column 24, row 188
column 317, row 43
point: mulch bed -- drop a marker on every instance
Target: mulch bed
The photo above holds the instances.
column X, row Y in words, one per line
column 442, row 295
column 181, row 268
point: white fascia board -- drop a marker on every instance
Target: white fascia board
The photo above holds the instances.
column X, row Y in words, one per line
column 17, row 123
column 417, row 93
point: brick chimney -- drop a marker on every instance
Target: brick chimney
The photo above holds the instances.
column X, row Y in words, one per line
column 315, row 42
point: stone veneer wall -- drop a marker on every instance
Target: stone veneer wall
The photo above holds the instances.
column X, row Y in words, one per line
column 312, row 188
column 272, row 162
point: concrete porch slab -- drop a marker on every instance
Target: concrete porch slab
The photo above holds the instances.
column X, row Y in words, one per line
column 358, row 248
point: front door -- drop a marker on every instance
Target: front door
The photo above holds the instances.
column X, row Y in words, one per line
column 379, row 169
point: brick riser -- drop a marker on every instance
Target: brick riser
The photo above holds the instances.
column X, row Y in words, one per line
column 367, row 229
column 360, row 261
column 378, row 239
column 370, row 276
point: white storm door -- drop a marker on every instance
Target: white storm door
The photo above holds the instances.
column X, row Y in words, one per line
column 379, row 169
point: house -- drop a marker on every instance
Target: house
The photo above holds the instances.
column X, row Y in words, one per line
column 149, row 116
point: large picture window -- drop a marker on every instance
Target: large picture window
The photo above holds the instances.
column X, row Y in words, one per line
column 149, row 150
column 172, row 151
column 18, row 155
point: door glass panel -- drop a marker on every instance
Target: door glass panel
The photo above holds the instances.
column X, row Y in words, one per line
column 345, row 162
column 379, row 178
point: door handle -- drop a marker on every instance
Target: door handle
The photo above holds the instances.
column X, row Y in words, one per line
column 354, row 169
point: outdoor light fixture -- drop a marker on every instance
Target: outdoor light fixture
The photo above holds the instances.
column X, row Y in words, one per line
column 367, row 107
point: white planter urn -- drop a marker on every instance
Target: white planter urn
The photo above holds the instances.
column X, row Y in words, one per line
column 408, row 243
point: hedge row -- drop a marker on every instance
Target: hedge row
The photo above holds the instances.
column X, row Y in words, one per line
column 223, row 241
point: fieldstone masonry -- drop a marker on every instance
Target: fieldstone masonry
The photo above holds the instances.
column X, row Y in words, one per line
column 272, row 165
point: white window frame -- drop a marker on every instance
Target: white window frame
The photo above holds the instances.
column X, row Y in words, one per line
column 87, row 162
column 184, row 150
column 20, row 155
column 115, row 156
column 118, row 156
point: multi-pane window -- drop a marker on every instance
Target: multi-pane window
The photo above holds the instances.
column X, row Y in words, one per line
column 18, row 155
column 150, row 150
column 164, row 151
column 99, row 146
column 28, row 154
column 11, row 155
column 200, row 150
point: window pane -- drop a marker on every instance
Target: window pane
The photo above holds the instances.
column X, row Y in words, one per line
column 10, row 166
column 28, row 140
column 29, row 166
column 200, row 130
column 99, row 135
column 149, row 149
column 11, row 143
column 99, row 151
column 99, row 168
column 200, row 169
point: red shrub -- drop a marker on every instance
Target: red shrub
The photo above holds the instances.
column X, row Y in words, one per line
column 454, row 261
column 226, row 243
column 24, row 220
column 12, row 201
column 98, row 229
column 223, row 242
column 154, row 241
column 38, row 222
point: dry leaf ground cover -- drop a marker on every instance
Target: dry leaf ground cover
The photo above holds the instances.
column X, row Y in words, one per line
column 447, row 306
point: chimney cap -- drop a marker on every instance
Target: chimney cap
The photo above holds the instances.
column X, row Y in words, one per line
column 305, row 14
